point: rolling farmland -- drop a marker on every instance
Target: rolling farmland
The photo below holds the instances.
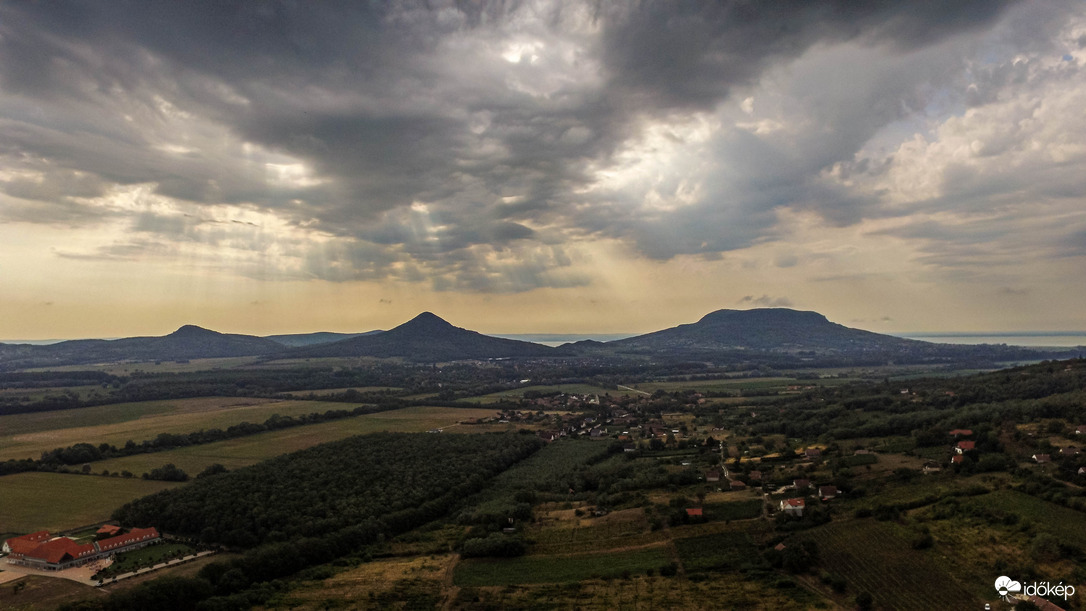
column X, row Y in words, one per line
column 57, row 501
column 243, row 451
column 873, row 558
column 28, row 435
column 557, row 569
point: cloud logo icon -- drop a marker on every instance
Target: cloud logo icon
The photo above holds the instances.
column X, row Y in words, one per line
column 1005, row 586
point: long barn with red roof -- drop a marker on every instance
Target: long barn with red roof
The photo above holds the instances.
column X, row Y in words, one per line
column 42, row 551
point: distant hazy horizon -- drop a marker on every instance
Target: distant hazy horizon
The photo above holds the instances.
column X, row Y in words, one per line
column 1057, row 339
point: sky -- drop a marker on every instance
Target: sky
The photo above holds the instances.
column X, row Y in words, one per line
column 540, row 167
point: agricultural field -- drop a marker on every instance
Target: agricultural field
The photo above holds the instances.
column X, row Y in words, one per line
column 874, row 557
column 251, row 449
column 569, row 389
column 126, row 368
column 415, row 582
column 735, row 510
column 28, row 435
column 927, row 487
column 1066, row 524
column 423, row 582
column 774, row 383
column 732, row 551
column 558, row 569
column 323, row 392
column 29, row 395
column 57, row 501
column 640, row 592
column 558, row 534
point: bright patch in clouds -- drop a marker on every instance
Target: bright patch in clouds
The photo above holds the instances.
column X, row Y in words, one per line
column 544, row 167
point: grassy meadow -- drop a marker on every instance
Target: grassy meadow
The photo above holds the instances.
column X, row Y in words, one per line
column 57, row 501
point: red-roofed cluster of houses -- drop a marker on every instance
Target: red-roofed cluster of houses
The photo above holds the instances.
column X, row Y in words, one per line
column 41, row 550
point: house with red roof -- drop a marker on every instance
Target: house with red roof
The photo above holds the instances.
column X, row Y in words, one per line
column 42, row 551
column 793, row 506
column 965, row 446
column 695, row 512
column 25, row 542
column 961, row 433
column 109, row 530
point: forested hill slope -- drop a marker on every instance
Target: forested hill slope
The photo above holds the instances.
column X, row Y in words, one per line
column 296, row 340
column 428, row 338
column 188, row 342
column 765, row 329
column 734, row 334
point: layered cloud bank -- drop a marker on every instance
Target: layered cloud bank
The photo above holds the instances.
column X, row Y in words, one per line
column 885, row 161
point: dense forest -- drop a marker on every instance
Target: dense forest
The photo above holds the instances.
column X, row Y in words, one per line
column 397, row 479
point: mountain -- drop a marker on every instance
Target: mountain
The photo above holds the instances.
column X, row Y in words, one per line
column 779, row 334
column 296, row 340
column 188, row 342
column 766, row 329
column 428, row 338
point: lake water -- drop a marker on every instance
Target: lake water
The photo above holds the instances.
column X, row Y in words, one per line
column 1069, row 339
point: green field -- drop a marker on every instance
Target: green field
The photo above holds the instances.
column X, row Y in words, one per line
column 243, row 451
column 618, row 529
column 56, row 501
column 557, row 569
column 125, row 368
column 29, row 395
column 323, row 392
column 925, row 488
column 569, row 389
column 735, row 510
column 873, row 557
column 726, row 551
column 1065, row 523
column 720, row 385
column 126, row 562
column 28, row 435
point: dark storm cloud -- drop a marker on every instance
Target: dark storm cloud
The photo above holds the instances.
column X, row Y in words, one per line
column 400, row 103
column 690, row 54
